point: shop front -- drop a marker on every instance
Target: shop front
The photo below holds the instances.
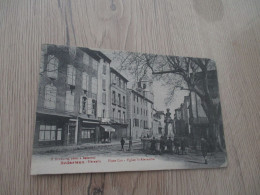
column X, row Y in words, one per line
column 105, row 133
column 50, row 129
column 88, row 131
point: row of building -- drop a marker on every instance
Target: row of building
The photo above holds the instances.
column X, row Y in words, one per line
column 190, row 119
column 82, row 99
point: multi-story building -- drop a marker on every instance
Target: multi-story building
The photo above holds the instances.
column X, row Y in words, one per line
column 68, row 94
column 118, row 108
column 161, row 117
column 198, row 119
column 140, row 109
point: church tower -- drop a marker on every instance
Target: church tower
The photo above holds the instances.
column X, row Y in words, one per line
column 146, row 85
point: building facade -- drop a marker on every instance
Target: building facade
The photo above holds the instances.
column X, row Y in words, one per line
column 140, row 107
column 67, row 108
column 118, row 107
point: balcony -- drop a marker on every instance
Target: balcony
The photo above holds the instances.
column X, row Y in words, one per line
column 119, row 120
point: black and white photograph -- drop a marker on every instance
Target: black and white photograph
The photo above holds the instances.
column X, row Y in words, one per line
column 110, row 111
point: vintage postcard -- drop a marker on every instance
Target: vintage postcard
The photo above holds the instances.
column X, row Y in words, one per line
column 110, row 111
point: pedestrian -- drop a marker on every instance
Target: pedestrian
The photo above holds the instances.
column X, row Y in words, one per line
column 122, row 143
column 169, row 145
column 176, row 145
column 182, row 146
column 204, row 149
column 162, row 144
column 153, row 143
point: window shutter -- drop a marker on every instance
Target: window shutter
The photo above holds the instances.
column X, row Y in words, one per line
column 104, row 84
column 89, row 106
column 73, row 75
column 94, row 85
column 84, row 81
column 69, row 101
column 52, row 67
column 104, row 98
column 50, row 97
column 80, row 104
column 69, row 74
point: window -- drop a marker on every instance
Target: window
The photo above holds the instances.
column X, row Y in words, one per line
column 119, row 99
column 136, row 122
column 104, row 113
column 141, row 123
column 84, row 81
column 104, row 84
column 113, row 113
column 113, row 97
column 124, row 101
column 84, row 105
column 94, row 85
column 104, row 69
column 88, row 133
column 137, row 98
column 52, row 67
column 50, row 96
column 71, row 75
column 141, row 111
column 119, row 114
column 104, row 98
column 124, row 116
column 113, row 78
column 134, row 109
column 119, row 82
column 48, row 132
column 69, row 104
column 137, row 110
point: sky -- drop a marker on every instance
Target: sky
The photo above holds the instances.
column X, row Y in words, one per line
column 160, row 91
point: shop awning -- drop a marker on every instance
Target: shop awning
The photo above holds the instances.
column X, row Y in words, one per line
column 108, row 128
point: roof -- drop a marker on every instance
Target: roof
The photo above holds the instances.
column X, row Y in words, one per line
column 133, row 91
column 118, row 74
column 97, row 55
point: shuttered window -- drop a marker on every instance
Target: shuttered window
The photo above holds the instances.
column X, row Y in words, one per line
column 69, row 104
column 52, row 67
column 85, row 81
column 104, row 98
column 71, row 75
column 94, row 85
column 50, row 96
column 104, row 84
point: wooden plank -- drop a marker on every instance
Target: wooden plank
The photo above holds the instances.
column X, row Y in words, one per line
column 227, row 31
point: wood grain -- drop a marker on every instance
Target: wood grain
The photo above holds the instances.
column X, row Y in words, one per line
column 227, row 31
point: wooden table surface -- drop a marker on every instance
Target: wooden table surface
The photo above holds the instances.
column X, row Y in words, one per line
column 227, row 31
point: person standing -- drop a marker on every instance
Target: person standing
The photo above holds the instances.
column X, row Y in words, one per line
column 182, row 146
column 153, row 143
column 162, row 144
column 122, row 143
column 169, row 145
column 204, row 149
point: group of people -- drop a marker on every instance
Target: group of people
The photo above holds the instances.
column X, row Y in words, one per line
column 166, row 145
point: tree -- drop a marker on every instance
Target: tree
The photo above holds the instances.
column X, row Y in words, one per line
column 178, row 73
